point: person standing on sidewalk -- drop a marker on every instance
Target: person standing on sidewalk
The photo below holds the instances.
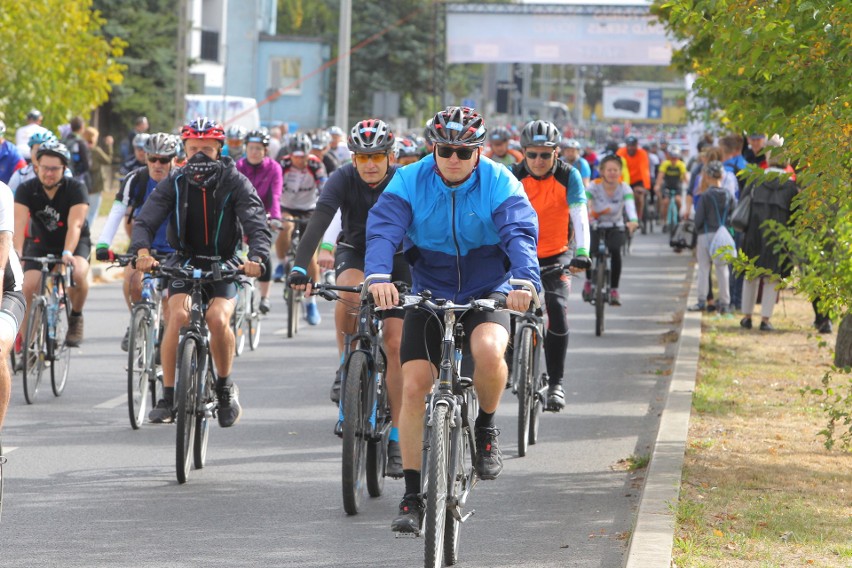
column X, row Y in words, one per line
column 100, row 172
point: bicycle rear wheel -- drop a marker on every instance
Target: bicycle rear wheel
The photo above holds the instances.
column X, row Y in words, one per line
column 436, row 485
column 377, row 449
column 355, row 415
column 202, row 420
column 187, row 391
column 32, row 351
column 600, row 296
column 139, row 366
column 59, row 350
column 238, row 319
column 254, row 319
column 523, row 354
column 540, row 383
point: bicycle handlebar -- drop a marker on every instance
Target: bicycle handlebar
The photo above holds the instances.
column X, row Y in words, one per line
column 52, row 261
column 216, row 274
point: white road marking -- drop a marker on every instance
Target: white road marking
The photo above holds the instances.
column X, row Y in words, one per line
column 113, row 402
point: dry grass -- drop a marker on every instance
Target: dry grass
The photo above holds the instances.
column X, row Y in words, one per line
column 759, row 489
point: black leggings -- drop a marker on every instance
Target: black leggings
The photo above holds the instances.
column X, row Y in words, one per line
column 614, row 241
column 556, row 286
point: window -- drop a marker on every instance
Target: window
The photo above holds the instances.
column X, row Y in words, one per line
column 284, row 72
column 209, row 46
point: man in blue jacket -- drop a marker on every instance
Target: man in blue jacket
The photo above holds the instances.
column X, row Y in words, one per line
column 467, row 227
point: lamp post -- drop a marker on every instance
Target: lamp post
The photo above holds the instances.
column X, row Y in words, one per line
column 344, row 42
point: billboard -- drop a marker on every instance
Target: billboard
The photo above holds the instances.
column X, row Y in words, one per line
column 560, row 34
column 632, row 103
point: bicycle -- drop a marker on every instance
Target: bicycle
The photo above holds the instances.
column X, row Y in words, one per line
column 364, row 405
column 246, row 317
column 44, row 342
column 649, row 212
column 600, row 279
column 448, row 441
column 293, row 298
column 146, row 332
column 672, row 213
column 196, row 376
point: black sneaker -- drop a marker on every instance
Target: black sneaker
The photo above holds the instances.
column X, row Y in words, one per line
column 555, row 397
column 162, row 413
column 766, row 326
column 825, row 327
column 229, row 411
column 335, row 386
column 699, row 307
column 489, row 460
column 264, row 306
column 125, row 343
column 745, row 323
column 410, row 517
column 394, row 468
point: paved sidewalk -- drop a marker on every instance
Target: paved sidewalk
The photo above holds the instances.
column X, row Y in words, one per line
column 653, row 535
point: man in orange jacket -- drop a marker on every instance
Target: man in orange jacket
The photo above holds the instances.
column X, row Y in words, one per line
column 640, row 171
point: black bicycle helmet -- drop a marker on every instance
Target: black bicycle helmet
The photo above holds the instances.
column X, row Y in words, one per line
column 500, row 134
column 371, row 136
column 540, row 133
column 54, row 148
column 299, row 142
column 457, row 126
column 161, row 144
column 714, row 169
column 261, row 136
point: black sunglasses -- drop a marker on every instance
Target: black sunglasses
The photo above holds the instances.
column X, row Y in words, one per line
column 448, row 151
column 543, row 155
column 152, row 159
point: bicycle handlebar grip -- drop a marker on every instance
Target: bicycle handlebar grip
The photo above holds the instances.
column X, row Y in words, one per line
column 526, row 284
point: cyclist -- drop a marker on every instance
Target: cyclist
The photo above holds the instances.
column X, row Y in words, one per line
column 424, row 207
column 304, row 176
column 556, row 192
column 407, row 151
column 160, row 150
column 234, row 143
column 672, row 177
column 12, row 303
column 26, row 132
column 264, row 173
column 353, row 190
column 138, row 159
column 209, row 204
column 571, row 155
column 28, row 172
column 55, row 207
column 320, row 141
column 609, row 199
column 337, row 146
column 498, row 148
column 10, row 158
column 639, row 170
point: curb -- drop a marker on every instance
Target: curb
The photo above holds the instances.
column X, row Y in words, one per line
column 653, row 534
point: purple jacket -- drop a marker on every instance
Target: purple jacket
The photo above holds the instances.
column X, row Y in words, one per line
column 266, row 179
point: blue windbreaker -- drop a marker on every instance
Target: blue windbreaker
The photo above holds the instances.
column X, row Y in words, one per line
column 461, row 242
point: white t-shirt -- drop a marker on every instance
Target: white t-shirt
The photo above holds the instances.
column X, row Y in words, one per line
column 23, row 135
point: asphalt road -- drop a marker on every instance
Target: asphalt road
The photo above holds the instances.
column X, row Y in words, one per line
column 83, row 489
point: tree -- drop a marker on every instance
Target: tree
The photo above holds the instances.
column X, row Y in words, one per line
column 56, row 59
column 784, row 66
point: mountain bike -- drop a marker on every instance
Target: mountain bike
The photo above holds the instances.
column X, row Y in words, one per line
column 146, row 332
column 527, row 381
column 293, row 298
column 196, row 377
column 449, row 452
column 364, row 405
column 47, row 326
column 600, row 279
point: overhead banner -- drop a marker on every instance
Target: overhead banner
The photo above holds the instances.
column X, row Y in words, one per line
column 561, row 34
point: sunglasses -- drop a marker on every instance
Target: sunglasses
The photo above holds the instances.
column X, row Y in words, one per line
column 536, row 155
column 152, row 159
column 365, row 158
column 448, row 151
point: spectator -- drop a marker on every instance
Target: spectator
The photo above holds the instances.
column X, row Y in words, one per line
column 10, row 158
column 275, row 134
column 771, row 199
column 80, row 157
column 100, row 170
column 24, row 133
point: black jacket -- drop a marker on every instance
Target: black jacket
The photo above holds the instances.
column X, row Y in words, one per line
column 236, row 208
column 770, row 199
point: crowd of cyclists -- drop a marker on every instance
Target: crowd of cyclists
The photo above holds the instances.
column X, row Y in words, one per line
column 457, row 210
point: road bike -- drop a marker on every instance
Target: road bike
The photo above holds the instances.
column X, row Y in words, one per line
column 293, row 298
column 449, row 451
column 195, row 386
column 45, row 334
column 365, row 417
column 528, row 382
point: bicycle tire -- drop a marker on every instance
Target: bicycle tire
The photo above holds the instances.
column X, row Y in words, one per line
column 61, row 355
column 139, row 366
column 459, row 484
column 354, row 428
column 2, row 461
column 600, row 293
column 238, row 319
column 253, row 320
column 525, row 386
column 377, row 449
column 32, row 351
column 186, row 404
column 537, row 409
column 202, row 422
column 436, row 485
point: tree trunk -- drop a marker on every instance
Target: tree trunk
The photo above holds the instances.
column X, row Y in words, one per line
column 843, row 347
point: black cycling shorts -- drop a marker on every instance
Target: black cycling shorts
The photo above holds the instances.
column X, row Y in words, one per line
column 210, row 290
column 32, row 248
column 303, row 215
column 347, row 258
column 422, row 332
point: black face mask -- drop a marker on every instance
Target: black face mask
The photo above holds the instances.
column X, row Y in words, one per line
column 201, row 170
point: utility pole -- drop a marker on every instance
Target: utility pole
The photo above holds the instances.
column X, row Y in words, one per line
column 181, row 78
column 344, row 45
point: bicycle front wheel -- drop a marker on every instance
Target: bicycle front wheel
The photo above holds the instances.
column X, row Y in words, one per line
column 254, row 319
column 600, row 296
column 32, row 352
column 436, row 485
column 187, row 391
column 238, row 319
column 525, row 386
column 459, row 483
column 59, row 351
column 355, row 416
column 139, row 366
column 202, row 420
